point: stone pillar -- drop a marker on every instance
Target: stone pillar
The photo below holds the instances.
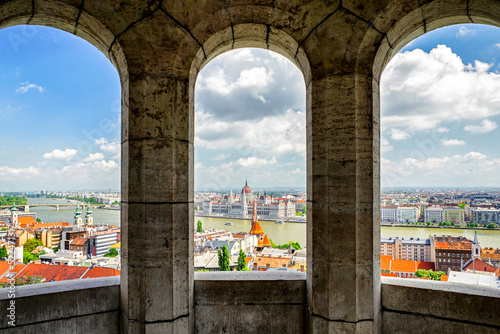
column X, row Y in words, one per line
column 343, row 276
column 157, row 211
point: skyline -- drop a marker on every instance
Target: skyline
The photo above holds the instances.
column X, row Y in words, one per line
column 60, row 113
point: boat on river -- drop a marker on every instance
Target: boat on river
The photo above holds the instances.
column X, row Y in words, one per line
column 279, row 222
column 229, row 223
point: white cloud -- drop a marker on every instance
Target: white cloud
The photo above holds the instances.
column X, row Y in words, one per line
column 220, row 157
column 26, row 86
column 8, row 172
column 275, row 134
column 109, row 146
column 472, row 169
column 485, row 127
column 421, row 90
column 452, row 142
column 94, row 157
column 462, row 31
column 67, row 154
column 397, row 134
column 254, row 161
column 386, row 146
column 442, row 130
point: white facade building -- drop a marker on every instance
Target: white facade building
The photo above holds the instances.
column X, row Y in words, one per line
column 388, row 213
column 433, row 214
column 483, row 215
column 406, row 214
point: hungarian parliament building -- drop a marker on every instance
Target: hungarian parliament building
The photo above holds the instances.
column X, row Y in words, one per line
column 267, row 207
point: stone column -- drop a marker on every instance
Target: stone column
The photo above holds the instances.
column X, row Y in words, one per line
column 343, row 276
column 157, row 209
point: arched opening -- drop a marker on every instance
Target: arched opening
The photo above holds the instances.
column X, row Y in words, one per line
column 62, row 121
column 438, row 116
column 250, row 149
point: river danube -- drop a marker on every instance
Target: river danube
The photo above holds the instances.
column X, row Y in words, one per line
column 279, row 233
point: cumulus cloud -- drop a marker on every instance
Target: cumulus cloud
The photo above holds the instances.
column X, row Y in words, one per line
column 254, row 161
column 94, row 157
column 398, row 134
column 109, row 146
column 278, row 135
column 67, row 154
column 472, row 168
column 249, row 84
column 386, row 146
column 26, row 86
column 485, row 127
column 442, row 130
column 21, row 173
column 420, row 90
column 452, row 142
column 221, row 156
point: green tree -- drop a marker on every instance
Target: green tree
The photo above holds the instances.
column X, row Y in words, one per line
column 242, row 261
column 492, row 225
column 223, row 259
column 433, row 275
column 461, row 205
column 3, row 252
column 199, row 227
column 31, row 245
column 112, row 252
column 38, row 220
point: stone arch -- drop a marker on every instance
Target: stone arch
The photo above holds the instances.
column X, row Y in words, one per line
column 69, row 18
column 419, row 20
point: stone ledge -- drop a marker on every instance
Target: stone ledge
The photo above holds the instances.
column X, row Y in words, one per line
column 450, row 303
column 468, row 289
column 48, row 305
column 250, row 276
column 63, row 286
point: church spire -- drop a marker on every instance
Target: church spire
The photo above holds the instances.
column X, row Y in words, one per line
column 475, row 237
column 254, row 215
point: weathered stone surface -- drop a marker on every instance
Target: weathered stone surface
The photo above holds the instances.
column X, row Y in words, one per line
column 49, row 307
column 342, row 48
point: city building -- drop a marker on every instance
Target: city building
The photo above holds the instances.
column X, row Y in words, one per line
column 450, row 253
column 485, row 215
column 433, row 214
column 342, row 48
column 388, row 213
column 402, row 268
column 407, row 214
column 412, row 249
column 267, row 208
column 453, row 214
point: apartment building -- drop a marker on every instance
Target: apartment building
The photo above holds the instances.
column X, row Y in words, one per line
column 413, row 249
column 433, row 214
column 453, row 214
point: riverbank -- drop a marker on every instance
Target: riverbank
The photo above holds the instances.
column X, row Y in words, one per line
column 302, row 221
column 443, row 227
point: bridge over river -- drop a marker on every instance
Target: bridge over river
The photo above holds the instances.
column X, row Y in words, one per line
column 56, row 206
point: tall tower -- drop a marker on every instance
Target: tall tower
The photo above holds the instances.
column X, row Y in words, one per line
column 89, row 220
column 476, row 248
column 77, row 220
column 14, row 221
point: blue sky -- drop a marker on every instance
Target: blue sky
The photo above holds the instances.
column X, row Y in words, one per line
column 60, row 114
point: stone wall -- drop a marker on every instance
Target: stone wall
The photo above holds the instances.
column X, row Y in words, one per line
column 341, row 47
column 77, row 306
